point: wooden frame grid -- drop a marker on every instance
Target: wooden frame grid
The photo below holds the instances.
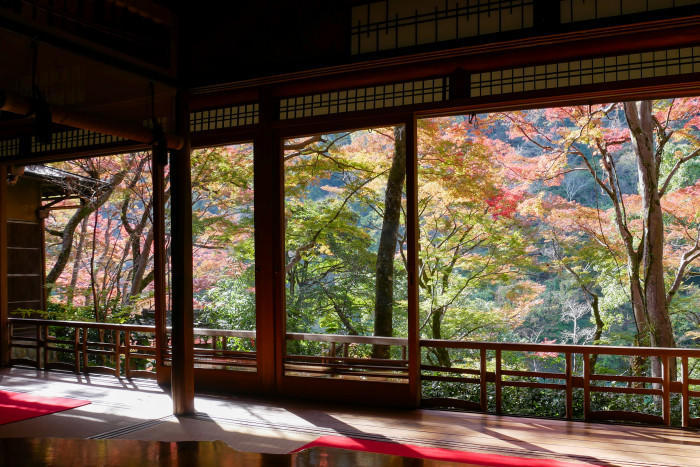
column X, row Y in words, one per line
column 232, row 116
column 9, row 147
column 425, row 91
column 72, row 139
column 587, row 71
column 386, row 25
column 279, row 114
column 573, row 11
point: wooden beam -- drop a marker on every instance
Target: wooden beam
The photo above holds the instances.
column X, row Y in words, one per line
column 4, row 324
column 182, row 378
column 158, row 161
column 269, row 247
column 412, row 236
column 13, row 103
column 482, row 56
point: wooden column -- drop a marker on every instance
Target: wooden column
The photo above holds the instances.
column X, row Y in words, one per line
column 685, row 393
column 483, row 380
column 269, row 247
column 158, row 161
column 412, row 232
column 586, row 387
column 666, row 397
column 499, row 380
column 182, row 378
column 4, row 325
column 569, row 387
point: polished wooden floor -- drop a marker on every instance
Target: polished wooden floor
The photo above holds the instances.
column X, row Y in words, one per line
column 124, row 452
column 140, row 410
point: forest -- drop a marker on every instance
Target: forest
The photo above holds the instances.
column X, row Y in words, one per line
column 572, row 225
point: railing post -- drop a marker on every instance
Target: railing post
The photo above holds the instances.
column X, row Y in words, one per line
column 37, row 346
column 586, row 387
column 666, row 389
column 76, row 348
column 483, row 402
column 117, row 353
column 569, row 388
column 46, row 345
column 685, row 393
column 4, row 315
column 127, row 354
column 85, row 349
column 499, row 402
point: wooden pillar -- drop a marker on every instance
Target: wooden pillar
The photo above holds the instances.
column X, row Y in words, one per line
column 499, row 380
column 159, row 159
column 586, row 387
column 412, row 232
column 269, row 247
column 483, row 379
column 569, row 387
column 685, row 391
column 182, row 377
column 666, row 396
column 4, row 324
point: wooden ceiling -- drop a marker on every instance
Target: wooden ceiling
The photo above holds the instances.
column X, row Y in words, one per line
column 123, row 59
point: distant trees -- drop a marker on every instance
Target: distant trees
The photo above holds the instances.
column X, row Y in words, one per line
column 641, row 229
column 473, row 250
column 386, row 250
column 104, row 257
column 518, row 213
column 344, row 197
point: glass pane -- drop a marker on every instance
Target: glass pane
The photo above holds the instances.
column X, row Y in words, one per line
column 98, row 252
column 564, row 225
column 224, row 254
column 346, row 242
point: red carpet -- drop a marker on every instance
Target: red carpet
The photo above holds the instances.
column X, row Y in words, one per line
column 422, row 452
column 16, row 406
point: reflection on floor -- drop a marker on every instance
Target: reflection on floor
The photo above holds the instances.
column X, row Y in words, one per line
column 140, row 409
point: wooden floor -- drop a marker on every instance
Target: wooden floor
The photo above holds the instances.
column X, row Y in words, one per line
column 140, row 410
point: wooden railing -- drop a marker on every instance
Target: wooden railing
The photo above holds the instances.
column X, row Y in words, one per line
column 113, row 348
column 491, row 371
column 339, row 362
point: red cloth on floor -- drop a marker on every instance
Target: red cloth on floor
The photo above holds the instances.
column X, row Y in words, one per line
column 422, row 452
column 17, row 406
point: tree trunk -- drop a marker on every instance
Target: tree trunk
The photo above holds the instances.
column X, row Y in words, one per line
column 76, row 263
column 140, row 264
column 599, row 324
column 384, row 285
column 443, row 356
column 652, row 287
column 72, row 224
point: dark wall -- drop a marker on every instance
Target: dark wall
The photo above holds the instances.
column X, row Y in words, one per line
column 248, row 39
column 243, row 39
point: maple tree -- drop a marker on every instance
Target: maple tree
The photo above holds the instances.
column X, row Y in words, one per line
column 470, row 239
column 564, row 225
column 520, row 213
column 344, row 209
column 104, row 260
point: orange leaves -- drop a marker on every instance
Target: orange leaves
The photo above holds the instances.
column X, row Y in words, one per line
column 505, row 203
column 683, row 204
column 547, row 354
